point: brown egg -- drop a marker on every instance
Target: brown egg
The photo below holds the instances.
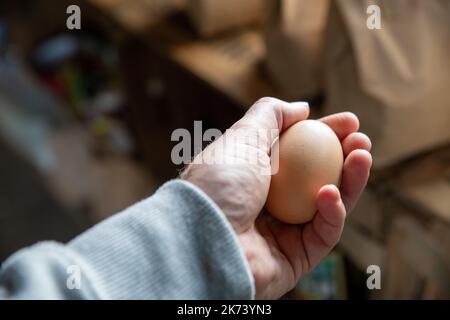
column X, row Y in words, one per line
column 310, row 156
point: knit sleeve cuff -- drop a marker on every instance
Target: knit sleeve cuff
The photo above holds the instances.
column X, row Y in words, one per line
column 176, row 244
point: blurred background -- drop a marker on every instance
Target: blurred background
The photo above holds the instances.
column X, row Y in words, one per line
column 86, row 115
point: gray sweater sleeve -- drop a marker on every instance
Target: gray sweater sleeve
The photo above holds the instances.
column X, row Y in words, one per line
column 176, row 244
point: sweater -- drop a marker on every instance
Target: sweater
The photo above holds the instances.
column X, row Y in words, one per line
column 176, row 244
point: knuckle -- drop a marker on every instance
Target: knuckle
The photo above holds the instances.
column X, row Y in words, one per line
column 269, row 105
column 266, row 100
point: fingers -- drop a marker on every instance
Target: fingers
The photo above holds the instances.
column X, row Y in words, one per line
column 356, row 147
column 331, row 212
column 354, row 141
column 293, row 113
column 273, row 116
column 324, row 231
column 342, row 123
column 354, row 176
column 285, row 114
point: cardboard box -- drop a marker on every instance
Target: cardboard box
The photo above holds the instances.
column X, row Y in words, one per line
column 423, row 186
column 402, row 224
column 395, row 79
column 229, row 63
column 211, row 17
column 418, row 266
column 294, row 40
column 139, row 15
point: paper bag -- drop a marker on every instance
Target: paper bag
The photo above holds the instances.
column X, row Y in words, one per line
column 396, row 79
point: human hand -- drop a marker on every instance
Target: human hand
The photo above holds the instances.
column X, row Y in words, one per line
column 279, row 254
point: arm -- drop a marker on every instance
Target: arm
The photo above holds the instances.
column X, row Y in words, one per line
column 177, row 244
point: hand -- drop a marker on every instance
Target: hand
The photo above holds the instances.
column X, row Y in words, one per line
column 280, row 254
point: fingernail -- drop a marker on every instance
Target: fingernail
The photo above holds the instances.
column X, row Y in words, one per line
column 333, row 187
column 338, row 193
column 300, row 105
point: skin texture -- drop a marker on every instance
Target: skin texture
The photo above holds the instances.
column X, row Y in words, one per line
column 280, row 254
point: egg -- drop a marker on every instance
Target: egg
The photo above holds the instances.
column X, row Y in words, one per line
column 310, row 156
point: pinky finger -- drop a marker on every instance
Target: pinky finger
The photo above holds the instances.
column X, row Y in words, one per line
column 322, row 234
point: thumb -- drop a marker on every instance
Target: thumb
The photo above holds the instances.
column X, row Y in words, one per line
column 272, row 115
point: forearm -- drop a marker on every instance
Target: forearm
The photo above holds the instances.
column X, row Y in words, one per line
column 176, row 244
